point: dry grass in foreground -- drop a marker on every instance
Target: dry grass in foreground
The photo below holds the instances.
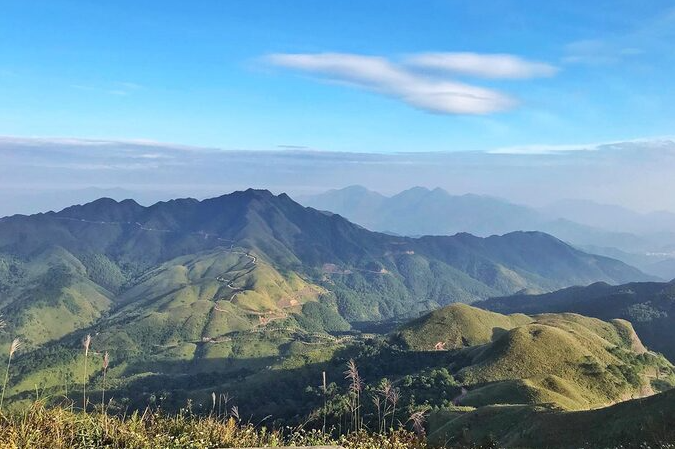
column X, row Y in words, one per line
column 42, row 427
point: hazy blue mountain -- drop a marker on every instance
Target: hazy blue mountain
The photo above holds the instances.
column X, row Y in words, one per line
column 661, row 265
column 611, row 217
column 640, row 239
column 15, row 201
column 420, row 211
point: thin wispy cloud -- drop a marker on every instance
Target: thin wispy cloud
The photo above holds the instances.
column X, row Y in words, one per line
column 650, row 37
column 628, row 171
column 495, row 66
column 293, row 147
column 542, row 150
column 598, row 52
column 404, row 81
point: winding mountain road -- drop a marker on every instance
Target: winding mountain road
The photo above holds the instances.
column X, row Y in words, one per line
column 229, row 283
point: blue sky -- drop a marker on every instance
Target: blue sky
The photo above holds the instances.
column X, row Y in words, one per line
column 366, row 76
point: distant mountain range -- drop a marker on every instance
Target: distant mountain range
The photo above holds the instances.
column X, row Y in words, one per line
column 170, row 288
column 645, row 240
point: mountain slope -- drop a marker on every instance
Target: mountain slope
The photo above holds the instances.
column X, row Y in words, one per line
column 649, row 306
column 643, row 422
column 570, row 360
column 456, row 327
column 52, row 295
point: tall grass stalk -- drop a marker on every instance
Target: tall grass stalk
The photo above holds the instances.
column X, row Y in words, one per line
column 106, row 363
column 324, row 402
column 85, row 343
column 16, row 343
column 378, row 407
column 394, row 396
column 355, row 387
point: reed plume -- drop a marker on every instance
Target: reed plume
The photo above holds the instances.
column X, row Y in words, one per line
column 106, row 363
column 235, row 412
column 324, row 402
column 418, row 418
column 16, row 344
column 86, row 342
column 355, row 388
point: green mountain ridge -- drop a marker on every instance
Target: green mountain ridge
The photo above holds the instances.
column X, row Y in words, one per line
column 121, row 241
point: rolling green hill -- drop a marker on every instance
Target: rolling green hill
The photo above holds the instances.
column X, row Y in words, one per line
column 650, row 306
column 643, row 422
column 455, row 327
column 569, row 360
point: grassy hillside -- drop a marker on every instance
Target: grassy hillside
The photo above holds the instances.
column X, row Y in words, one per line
column 189, row 315
column 549, row 362
column 568, row 360
column 649, row 306
column 50, row 296
column 645, row 422
column 456, row 326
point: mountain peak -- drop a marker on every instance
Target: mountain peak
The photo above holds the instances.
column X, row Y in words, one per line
column 252, row 193
column 355, row 188
column 103, row 209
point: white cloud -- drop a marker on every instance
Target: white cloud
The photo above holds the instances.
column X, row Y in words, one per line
column 661, row 143
column 542, row 149
column 17, row 143
column 378, row 74
column 483, row 65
